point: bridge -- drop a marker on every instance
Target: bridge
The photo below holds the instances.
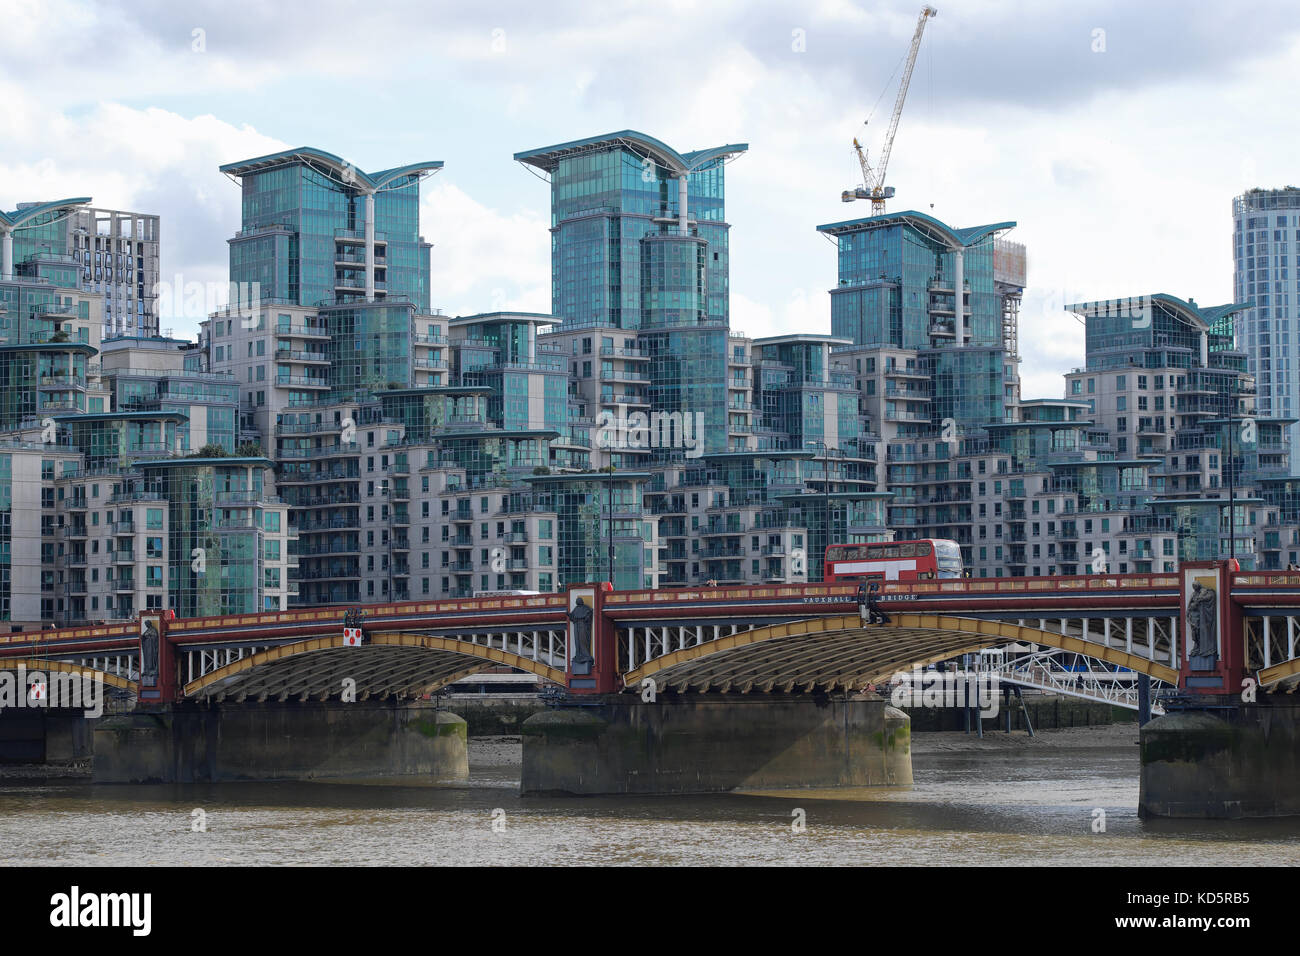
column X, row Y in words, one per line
column 753, row 639
column 775, row 642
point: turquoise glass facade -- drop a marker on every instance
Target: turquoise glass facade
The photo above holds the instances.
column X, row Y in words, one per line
column 611, row 195
column 624, row 254
column 896, row 275
column 304, row 230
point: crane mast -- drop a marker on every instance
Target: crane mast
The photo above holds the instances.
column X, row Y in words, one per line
column 873, row 181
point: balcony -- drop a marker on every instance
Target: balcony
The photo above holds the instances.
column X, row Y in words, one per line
column 61, row 382
column 297, row 355
column 300, row 381
column 308, row 428
column 302, row 331
column 123, row 496
column 608, row 351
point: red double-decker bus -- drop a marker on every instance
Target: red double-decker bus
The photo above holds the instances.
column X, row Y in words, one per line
column 894, row 561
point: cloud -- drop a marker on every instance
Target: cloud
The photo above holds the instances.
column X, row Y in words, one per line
column 149, row 160
column 484, row 260
column 1118, row 166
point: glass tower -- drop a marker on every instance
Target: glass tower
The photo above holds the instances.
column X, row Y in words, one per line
column 639, row 241
column 317, row 230
column 1266, row 276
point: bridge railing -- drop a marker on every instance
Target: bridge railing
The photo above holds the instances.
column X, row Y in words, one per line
column 371, row 613
column 88, row 632
column 941, row 587
column 1025, row 585
column 1266, row 579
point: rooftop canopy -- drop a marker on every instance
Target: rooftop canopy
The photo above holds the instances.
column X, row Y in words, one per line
column 548, row 157
column 21, row 217
column 332, row 166
column 928, row 226
column 803, row 338
column 1201, row 318
column 481, row 318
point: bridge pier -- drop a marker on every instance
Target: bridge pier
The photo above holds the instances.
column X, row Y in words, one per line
column 715, row 742
column 33, row 735
column 379, row 741
column 1224, row 763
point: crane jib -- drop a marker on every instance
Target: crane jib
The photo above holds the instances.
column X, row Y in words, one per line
column 873, row 181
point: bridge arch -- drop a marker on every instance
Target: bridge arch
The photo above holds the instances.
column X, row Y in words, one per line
column 833, row 652
column 388, row 664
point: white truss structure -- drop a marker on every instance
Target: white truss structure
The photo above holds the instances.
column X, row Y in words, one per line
column 1070, row 674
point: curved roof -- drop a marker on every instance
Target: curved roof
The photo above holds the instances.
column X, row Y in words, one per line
column 1200, row 318
column 1184, row 310
column 1204, row 316
column 547, row 157
column 85, row 347
column 345, row 171
column 928, row 226
column 19, row 217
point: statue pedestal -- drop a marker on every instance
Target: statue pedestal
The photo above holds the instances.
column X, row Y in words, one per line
column 1206, row 662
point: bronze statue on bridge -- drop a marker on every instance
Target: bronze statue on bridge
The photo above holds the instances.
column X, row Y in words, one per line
column 1203, row 626
column 580, row 630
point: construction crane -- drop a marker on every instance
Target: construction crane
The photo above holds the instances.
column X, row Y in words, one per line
column 873, row 181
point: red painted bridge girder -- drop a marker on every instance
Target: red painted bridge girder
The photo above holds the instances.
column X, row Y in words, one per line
column 1023, row 597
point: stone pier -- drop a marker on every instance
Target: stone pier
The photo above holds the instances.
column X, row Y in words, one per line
column 716, row 742
column 366, row 741
column 1222, row 763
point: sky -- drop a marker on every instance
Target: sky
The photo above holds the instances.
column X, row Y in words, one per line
column 1115, row 134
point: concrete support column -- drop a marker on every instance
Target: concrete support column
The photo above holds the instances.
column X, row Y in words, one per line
column 1222, row 764
column 682, row 190
column 1205, row 349
column 959, row 308
column 296, row 740
column 708, row 743
column 7, row 260
column 370, row 246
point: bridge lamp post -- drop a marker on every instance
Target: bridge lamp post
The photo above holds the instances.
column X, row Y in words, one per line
column 609, row 488
column 826, row 494
column 384, row 488
column 1233, row 391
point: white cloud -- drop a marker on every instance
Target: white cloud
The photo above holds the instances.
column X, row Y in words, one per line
column 146, row 160
column 484, row 260
column 1119, row 168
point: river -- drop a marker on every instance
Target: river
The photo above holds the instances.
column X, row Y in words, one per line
column 1000, row 802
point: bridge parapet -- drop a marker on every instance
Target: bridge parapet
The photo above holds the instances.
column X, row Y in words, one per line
column 1141, row 614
